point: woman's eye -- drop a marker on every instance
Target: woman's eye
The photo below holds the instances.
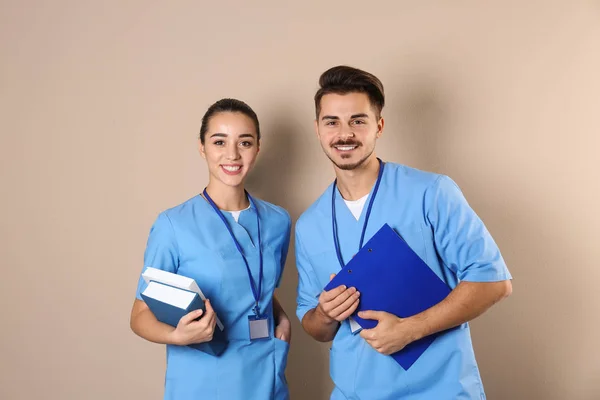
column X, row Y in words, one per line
column 246, row 144
column 219, row 143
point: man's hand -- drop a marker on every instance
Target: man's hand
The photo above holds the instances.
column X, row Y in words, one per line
column 339, row 303
column 391, row 334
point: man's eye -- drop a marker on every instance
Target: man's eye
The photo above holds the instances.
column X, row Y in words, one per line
column 219, row 143
column 330, row 123
column 358, row 122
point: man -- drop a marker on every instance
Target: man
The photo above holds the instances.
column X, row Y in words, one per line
column 430, row 213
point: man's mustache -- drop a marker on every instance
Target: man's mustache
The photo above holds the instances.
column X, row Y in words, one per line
column 346, row 143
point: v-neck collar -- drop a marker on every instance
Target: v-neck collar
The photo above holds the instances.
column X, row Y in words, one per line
column 239, row 230
column 340, row 203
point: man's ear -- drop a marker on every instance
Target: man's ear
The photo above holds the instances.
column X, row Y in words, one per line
column 380, row 125
column 317, row 128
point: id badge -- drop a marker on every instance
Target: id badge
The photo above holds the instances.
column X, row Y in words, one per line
column 258, row 326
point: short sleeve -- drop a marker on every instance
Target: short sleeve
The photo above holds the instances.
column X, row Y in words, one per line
column 462, row 241
column 161, row 250
column 308, row 287
column 284, row 249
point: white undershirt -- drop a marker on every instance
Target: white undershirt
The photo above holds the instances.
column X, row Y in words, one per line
column 356, row 206
column 236, row 214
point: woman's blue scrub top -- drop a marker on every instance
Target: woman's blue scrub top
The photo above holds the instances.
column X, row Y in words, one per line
column 191, row 240
column 431, row 214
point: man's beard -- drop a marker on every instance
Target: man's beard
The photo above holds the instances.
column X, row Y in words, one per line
column 349, row 167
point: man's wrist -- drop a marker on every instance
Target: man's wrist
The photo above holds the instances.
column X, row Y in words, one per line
column 417, row 327
column 323, row 317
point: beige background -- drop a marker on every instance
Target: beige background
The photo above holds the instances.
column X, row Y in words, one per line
column 100, row 105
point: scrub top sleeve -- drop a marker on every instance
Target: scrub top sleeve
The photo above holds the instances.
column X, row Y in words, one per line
column 308, row 287
column 284, row 249
column 161, row 250
column 461, row 238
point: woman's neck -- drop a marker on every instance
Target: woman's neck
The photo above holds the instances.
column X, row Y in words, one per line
column 357, row 183
column 228, row 198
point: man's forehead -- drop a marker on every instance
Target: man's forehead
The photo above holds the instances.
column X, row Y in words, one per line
column 350, row 103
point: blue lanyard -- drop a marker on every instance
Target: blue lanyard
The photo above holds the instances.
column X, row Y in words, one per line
column 255, row 293
column 364, row 229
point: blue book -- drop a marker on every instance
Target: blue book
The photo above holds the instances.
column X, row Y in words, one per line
column 391, row 277
column 170, row 296
column 169, row 304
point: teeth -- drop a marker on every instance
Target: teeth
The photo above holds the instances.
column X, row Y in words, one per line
column 232, row 168
column 345, row 148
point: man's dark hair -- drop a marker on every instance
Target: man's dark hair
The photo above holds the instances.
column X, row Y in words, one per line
column 228, row 105
column 343, row 80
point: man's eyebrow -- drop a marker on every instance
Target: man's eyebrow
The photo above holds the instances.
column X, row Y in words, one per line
column 333, row 117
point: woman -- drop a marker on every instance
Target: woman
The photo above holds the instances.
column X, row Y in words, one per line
column 220, row 238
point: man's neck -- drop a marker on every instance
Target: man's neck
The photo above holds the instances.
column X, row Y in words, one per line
column 357, row 183
column 229, row 198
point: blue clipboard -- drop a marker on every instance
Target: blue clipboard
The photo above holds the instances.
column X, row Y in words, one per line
column 391, row 277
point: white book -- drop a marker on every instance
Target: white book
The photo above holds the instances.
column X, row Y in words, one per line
column 170, row 295
column 179, row 281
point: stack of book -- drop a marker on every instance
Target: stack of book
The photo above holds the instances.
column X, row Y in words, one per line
column 170, row 296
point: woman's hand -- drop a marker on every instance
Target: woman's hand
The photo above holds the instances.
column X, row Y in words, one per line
column 190, row 330
column 283, row 330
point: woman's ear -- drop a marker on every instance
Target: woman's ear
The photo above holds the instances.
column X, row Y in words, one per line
column 201, row 149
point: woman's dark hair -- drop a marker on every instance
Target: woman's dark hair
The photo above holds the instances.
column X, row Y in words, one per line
column 228, row 105
column 343, row 79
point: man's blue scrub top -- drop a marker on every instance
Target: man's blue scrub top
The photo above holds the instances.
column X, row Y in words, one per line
column 429, row 211
column 191, row 240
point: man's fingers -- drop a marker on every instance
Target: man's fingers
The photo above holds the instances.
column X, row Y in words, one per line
column 347, row 296
column 370, row 314
column 347, row 305
column 350, row 309
column 368, row 335
column 333, row 293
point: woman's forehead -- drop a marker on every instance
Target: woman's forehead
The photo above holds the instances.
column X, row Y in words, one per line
column 232, row 124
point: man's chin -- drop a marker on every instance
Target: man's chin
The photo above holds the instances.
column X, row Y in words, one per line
column 349, row 163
